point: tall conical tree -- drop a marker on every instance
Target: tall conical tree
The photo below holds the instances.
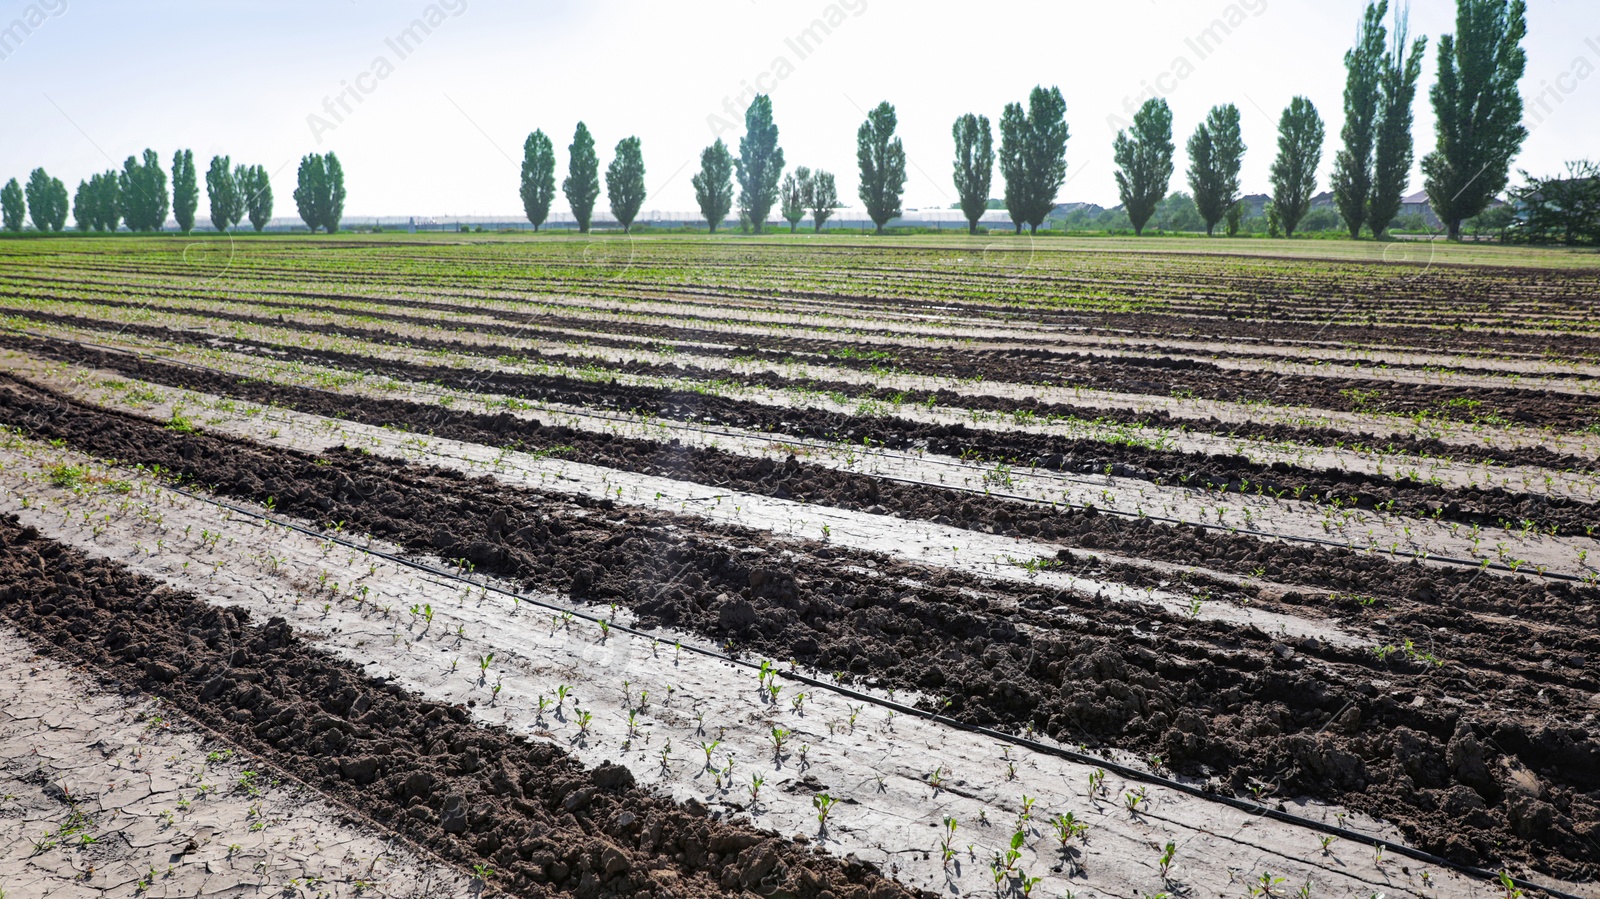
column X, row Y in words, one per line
column 1294, row 172
column 256, row 186
column 1144, row 161
column 336, row 194
column 142, row 187
column 1033, row 155
column 13, row 206
column 625, row 182
column 185, row 190
column 223, row 192
column 47, row 201
column 760, row 162
column 1352, row 166
column 882, row 160
column 83, row 207
column 1392, row 154
column 582, row 184
column 792, row 196
column 974, row 166
column 105, row 210
column 319, row 193
column 1477, row 109
column 1216, row 153
column 822, row 198
column 538, row 178
column 713, row 184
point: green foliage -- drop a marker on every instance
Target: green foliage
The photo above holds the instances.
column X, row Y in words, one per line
column 256, row 189
column 224, row 193
column 12, row 205
column 538, row 178
column 974, row 166
column 713, row 184
column 82, row 207
column 883, row 165
column 1216, row 152
column 1352, row 165
column 821, row 197
column 1392, row 154
column 625, row 182
column 185, row 190
column 1477, row 109
column 1144, row 161
column 792, row 196
column 1033, row 155
column 760, row 162
column 1294, row 172
column 1563, row 209
column 319, row 194
column 142, row 187
column 102, row 202
column 582, row 184
column 47, row 201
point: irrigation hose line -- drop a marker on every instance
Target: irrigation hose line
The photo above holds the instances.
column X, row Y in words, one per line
column 1032, row 745
column 1422, row 558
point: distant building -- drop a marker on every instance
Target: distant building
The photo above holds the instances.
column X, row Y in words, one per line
column 1417, row 204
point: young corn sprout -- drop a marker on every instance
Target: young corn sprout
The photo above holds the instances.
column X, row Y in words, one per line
column 824, row 805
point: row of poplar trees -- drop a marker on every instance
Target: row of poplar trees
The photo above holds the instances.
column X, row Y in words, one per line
column 1475, row 101
column 137, row 196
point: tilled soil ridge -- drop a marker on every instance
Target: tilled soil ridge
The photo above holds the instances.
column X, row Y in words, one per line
column 478, row 796
column 1391, row 737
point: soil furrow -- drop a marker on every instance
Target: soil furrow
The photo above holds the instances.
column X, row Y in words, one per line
column 1395, row 738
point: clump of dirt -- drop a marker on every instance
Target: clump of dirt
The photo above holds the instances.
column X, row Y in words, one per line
column 477, row 795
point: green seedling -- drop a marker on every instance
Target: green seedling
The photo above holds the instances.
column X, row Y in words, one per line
column 584, row 718
column 1165, row 861
column 756, row 781
column 709, row 748
column 824, row 805
column 779, row 736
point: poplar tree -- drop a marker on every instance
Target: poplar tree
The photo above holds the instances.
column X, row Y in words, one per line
column 582, row 184
column 1392, row 155
column 142, row 188
column 792, row 196
column 822, row 198
column 1352, row 165
column 1294, row 172
column 625, row 182
column 13, row 207
column 1477, row 109
column 185, row 190
column 1216, row 153
column 538, row 178
column 256, row 186
column 319, row 193
column 223, row 192
column 1033, row 155
column 974, row 166
column 47, row 201
column 1144, row 161
column 713, row 184
column 882, row 160
column 760, row 162
column 83, row 207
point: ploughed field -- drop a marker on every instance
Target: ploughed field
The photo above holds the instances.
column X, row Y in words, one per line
column 852, row 568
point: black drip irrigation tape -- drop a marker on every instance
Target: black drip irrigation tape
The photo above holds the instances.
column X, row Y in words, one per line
column 1422, row 558
column 1021, row 741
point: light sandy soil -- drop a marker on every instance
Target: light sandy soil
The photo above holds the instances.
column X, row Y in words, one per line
column 560, row 356
column 1578, row 485
column 923, row 541
column 107, row 795
column 879, row 766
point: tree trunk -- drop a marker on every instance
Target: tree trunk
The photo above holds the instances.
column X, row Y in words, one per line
column 1032, row 229
column 972, row 227
column 712, row 226
column 880, row 228
column 1138, row 230
column 1019, row 227
column 794, row 226
column 1453, row 231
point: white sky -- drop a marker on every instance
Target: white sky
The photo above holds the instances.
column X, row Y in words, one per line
column 442, row 133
